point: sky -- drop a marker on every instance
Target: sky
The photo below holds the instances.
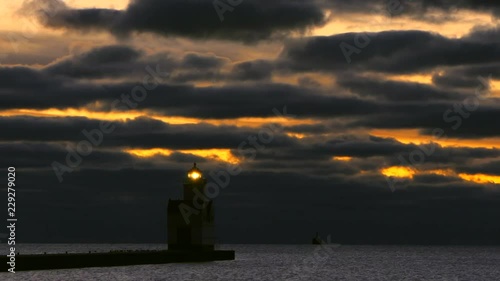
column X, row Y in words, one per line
column 375, row 122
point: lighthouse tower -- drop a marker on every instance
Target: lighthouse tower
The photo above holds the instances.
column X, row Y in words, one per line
column 191, row 220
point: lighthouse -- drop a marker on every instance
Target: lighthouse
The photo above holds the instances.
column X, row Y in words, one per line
column 190, row 237
column 191, row 220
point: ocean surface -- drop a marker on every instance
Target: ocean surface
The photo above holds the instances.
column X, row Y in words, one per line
column 288, row 262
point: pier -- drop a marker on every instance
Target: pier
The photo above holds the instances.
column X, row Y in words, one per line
column 114, row 258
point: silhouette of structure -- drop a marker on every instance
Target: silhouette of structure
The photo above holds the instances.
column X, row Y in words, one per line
column 190, row 238
column 317, row 240
column 191, row 220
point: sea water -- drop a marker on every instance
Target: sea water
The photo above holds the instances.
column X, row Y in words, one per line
column 287, row 262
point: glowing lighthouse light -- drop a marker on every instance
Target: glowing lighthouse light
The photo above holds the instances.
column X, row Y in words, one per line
column 194, row 173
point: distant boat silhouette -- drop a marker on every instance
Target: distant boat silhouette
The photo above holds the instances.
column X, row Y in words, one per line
column 317, row 240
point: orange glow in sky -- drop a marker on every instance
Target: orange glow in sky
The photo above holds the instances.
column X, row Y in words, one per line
column 415, row 78
column 408, row 136
column 342, row 158
column 377, row 22
column 406, row 172
column 442, row 172
column 253, row 122
column 480, row 178
column 224, row 155
column 398, row 172
column 296, row 135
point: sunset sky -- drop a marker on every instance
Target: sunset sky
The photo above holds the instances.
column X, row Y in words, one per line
column 368, row 116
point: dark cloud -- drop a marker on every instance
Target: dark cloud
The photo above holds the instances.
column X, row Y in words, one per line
column 314, row 128
column 395, row 91
column 87, row 19
column 236, row 100
column 452, row 81
column 121, row 61
column 407, row 105
column 489, row 168
column 415, row 9
column 468, row 76
column 203, row 62
column 485, row 33
column 39, row 156
column 454, row 119
column 252, row 70
column 478, row 124
column 137, row 133
column 491, row 6
column 107, row 61
column 249, row 21
column 56, row 14
column 359, row 147
column 387, row 51
column 21, row 79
